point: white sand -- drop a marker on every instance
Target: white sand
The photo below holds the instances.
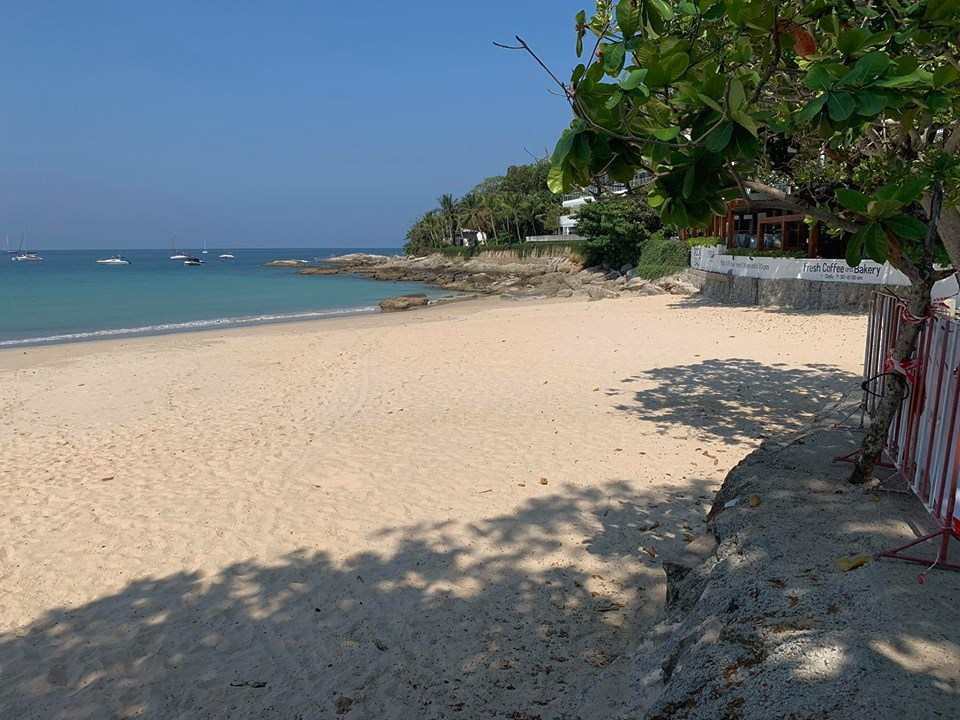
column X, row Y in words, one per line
column 352, row 509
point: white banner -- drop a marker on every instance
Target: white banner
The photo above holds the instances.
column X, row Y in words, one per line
column 712, row 259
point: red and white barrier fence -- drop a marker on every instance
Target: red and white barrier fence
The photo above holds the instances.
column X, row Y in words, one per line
column 924, row 440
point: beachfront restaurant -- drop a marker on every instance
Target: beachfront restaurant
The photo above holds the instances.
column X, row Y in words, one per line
column 770, row 230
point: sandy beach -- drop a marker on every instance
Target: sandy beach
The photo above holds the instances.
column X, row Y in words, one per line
column 453, row 513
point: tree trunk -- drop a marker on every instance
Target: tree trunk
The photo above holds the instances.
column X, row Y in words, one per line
column 894, row 385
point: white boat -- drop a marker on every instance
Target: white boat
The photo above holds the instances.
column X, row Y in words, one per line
column 177, row 254
column 22, row 255
column 204, row 251
column 115, row 260
column 193, row 261
column 226, row 256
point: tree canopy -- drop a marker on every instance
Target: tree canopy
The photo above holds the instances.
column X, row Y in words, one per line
column 852, row 106
column 507, row 208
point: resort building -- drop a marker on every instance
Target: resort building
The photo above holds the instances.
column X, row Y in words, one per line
column 469, row 238
column 769, row 230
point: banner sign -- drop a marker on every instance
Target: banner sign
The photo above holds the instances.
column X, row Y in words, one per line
column 713, row 259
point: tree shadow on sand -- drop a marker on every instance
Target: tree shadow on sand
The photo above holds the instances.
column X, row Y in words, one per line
column 530, row 614
column 733, row 400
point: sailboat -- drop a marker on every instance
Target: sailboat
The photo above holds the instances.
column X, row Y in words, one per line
column 177, row 254
column 204, row 251
column 21, row 256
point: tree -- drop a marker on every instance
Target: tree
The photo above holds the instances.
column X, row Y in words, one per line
column 717, row 98
column 448, row 208
column 616, row 229
column 507, row 208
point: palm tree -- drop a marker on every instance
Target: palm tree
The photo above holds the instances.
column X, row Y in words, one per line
column 448, row 208
column 472, row 213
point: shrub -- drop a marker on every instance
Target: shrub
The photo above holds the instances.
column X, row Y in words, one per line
column 662, row 256
column 709, row 241
column 615, row 230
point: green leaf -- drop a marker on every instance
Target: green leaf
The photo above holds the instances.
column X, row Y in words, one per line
column 855, row 250
column 841, row 105
column 718, row 138
column 911, row 189
column 745, row 121
column 868, row 68
column 634, row 79
column 811, row 110
column 873, row 240
column 918, row 77
column 853, row 200
column 689, row 180
column 662, row 9
column 578, row 72
column 666, row 134
column 945, row 75
column 676, row 65
column 613, row 100
column 881, row 209
column 818, row 78
column 870, row 104
column 830, row 24
column 613, row 57
column 628, row 17
column 905, row 226
column 581, row 30
column 737, row 98
column 709, row 102
column 850, row 41
column 941, row 11
column 558, row 179
column 564, row 145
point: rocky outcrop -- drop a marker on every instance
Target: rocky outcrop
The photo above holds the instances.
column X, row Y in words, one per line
column 287, row 263
column 506, row 276
column 404, row 302
column 318, row 271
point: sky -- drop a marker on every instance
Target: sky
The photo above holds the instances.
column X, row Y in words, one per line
column 255, row 124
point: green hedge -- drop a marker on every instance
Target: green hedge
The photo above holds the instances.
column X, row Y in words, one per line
column 662, row 256
column 709, row 241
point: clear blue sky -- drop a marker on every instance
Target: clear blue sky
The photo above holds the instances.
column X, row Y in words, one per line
column 263, row 124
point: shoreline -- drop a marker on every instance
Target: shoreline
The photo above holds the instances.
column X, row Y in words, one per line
column 215, row 325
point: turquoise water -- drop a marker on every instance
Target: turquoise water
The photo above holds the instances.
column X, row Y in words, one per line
column 68, row 297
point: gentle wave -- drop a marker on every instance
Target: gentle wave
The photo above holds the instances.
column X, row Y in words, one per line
column 177, row 327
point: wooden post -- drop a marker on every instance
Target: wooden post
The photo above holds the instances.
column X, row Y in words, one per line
column 813, row 245
column 729, row 228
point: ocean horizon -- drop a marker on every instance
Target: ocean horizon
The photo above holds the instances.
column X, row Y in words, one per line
column 68, row 297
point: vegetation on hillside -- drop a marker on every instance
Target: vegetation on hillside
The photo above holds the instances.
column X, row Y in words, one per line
column 852, row 106
column 507, row 208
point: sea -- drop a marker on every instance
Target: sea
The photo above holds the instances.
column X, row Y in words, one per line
column 68, row 297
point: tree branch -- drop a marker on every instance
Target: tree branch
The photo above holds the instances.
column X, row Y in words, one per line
column 774, row 61
column 523, row 46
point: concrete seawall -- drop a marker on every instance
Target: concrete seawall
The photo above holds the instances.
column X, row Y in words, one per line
column 794, row 294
